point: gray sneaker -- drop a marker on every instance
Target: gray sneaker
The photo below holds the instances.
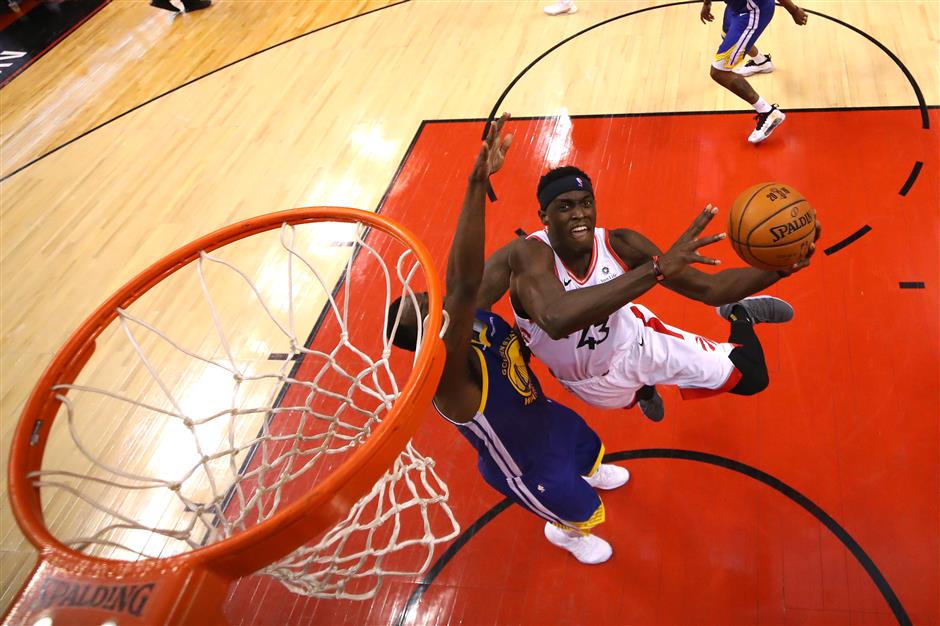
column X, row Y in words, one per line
column 761, row 309
column 653, row 408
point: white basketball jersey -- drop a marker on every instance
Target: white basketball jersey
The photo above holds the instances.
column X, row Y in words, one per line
column 585, row 353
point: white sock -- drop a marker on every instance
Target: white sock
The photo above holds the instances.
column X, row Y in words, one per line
column 761, row 106
column 760, row 58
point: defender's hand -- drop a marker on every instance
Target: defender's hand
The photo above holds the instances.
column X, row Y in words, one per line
column 685, row 250
column 706, row 14
column 492, row 152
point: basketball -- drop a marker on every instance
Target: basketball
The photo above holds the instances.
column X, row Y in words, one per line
column 771, row 226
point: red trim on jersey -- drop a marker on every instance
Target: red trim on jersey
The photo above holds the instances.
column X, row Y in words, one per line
column 590, row 269
column 632, row 402
column 573, row 276
column 613, row 252
column 655, row 324
column 694, row 393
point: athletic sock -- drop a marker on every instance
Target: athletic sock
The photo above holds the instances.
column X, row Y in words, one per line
column 761, row 106
column 760, row 58
column 740, row 315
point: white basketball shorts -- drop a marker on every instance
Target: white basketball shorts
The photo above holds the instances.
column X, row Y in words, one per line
column 660, row 355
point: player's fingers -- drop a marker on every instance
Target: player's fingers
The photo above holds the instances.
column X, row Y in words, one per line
column 818, row 232
column 507, row 141
column 500, row 122
column 496, row 128
column 698, row 258
column 701, row 221
column 704, row 241
column 481, row 156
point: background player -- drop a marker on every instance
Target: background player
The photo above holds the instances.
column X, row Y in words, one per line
column 572, row 285
column 742, row 24
column 537, row 452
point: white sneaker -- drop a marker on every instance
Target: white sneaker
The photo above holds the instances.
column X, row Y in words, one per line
column 561, row 7
column 608, row 476
column 753, row 67
column 588, row 549
column 766, row 123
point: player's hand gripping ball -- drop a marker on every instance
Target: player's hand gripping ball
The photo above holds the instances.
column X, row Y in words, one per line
column 772, row 226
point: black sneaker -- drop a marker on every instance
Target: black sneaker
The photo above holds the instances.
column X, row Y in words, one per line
column 195, row 5
column 164, row 4
column 653, row 407
column 752, row 67
column 760, row 309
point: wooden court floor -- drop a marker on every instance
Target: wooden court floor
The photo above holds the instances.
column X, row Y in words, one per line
column 815, row 502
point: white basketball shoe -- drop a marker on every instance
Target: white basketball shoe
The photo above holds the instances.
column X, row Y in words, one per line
column 608, row 476
column 753, row 67
column 588, row 549
column 766, row 123
column 562, row 7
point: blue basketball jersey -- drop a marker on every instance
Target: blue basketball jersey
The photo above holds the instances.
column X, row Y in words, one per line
column 530, row 448
column 515, row 427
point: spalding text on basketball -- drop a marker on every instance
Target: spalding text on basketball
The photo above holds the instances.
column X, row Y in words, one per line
column 779, row 232
column 118, row 598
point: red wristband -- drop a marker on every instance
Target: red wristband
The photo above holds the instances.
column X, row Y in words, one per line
column 657, row 270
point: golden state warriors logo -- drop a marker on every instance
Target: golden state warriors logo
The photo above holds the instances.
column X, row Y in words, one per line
column 515, row 370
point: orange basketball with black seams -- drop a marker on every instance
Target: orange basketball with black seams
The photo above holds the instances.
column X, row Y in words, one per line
column 771, row 226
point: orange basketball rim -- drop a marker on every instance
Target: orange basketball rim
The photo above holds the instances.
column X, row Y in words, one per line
column 66, row 586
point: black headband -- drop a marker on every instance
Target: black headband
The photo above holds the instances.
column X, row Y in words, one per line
column 563, row 185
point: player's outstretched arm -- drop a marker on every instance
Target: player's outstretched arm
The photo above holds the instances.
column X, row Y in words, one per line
column 496, row 276
column 559, row 313
column 456, row 395
column 715, row 289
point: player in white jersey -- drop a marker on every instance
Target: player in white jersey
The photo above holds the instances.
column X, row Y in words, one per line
column 572, row 288
column 535, row 451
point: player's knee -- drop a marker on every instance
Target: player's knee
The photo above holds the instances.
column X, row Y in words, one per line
column 719, row 76
column 753, row 382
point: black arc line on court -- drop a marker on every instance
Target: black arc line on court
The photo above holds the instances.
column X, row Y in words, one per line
column 912, row 285
column 921, row 103
column 190, row 82
column 411, row 606
column 910, row 179
column 851, row 238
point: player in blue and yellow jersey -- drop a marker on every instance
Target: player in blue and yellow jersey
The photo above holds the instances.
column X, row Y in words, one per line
column 743, row 23
column 535, row 451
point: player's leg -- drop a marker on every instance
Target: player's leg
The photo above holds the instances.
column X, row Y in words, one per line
column 588, row 451
column 700, row 367
column 741, row 32
column 748, row 356
column 563, row 491
column 570, row 507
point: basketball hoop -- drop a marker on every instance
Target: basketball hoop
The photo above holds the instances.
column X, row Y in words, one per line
column 311, row 436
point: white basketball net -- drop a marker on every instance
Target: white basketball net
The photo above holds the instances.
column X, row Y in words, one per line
column 197, row 434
